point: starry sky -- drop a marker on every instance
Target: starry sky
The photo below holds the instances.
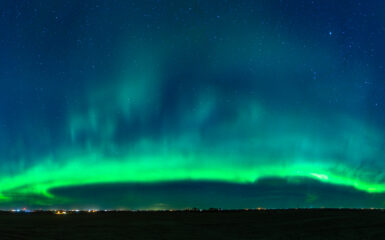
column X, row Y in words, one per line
column 162, row 104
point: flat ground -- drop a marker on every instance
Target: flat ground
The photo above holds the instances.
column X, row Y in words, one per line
column 265, row 224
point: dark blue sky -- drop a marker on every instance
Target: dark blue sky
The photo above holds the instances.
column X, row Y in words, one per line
column 146, row 100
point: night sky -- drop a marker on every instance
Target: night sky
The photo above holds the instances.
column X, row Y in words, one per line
column 162, row 104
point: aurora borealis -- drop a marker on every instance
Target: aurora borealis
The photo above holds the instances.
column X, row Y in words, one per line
column 159, row 104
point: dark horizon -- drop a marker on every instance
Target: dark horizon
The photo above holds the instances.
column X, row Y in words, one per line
column 274, row 224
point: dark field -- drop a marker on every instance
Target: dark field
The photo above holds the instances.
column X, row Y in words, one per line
column 265, row 224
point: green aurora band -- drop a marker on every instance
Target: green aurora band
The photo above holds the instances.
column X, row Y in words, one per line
column 148, row 162
column 152, row 169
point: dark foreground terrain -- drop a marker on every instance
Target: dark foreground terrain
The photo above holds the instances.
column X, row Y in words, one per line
column 263, row 224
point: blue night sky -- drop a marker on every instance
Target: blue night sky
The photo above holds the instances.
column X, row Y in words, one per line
column 176, row 104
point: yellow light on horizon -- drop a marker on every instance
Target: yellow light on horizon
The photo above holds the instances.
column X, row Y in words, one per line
column 60, row 212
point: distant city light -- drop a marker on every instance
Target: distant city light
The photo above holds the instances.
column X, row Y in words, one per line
column 60, row 212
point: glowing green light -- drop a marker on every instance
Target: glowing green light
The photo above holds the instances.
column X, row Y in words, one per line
column 172, row 167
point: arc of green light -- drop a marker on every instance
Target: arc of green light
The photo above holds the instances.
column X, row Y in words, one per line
column 147, row 169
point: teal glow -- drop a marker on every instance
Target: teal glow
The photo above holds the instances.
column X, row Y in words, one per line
column 188, row 91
